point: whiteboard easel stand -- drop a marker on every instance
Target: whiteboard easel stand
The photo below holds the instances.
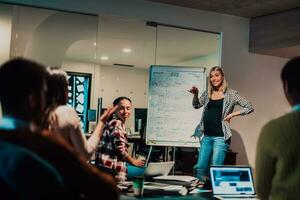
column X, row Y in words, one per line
column 148, row 157
column 173, row 171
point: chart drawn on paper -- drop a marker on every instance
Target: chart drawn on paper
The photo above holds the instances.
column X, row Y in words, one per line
column 171, row 117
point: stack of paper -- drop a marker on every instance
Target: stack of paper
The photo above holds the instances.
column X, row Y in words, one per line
column 165, row 188
column 189, row 182
column 125, row 186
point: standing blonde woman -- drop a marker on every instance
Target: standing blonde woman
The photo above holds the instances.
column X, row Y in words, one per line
column 214, row 129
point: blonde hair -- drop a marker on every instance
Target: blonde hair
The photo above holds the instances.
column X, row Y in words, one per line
column 224, row 85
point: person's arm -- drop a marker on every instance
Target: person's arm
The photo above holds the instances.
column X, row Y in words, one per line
column 246, row 105
column 264, row 165
column 82, row 178
column 67, row 124
column 135, row 162
column 120, row 143
column 231, row 115
column 78, row 139
column 87, row 147
column 197, row 102
column 95, row 138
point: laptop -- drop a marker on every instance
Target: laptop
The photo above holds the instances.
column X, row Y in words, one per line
column 232, row 182
column 158, row 169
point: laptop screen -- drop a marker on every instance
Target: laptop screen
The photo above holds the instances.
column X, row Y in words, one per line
column 233, row 180
column 158, row 168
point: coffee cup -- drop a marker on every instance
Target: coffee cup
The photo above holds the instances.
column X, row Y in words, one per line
column 138, row 186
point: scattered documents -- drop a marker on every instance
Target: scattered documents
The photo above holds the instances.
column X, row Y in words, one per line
column 187, row 179
column 189, row 182
column 165, row 188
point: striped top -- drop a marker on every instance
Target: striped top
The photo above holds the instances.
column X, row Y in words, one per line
column 231, row 99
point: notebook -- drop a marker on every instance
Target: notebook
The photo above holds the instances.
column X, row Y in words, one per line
column 230, row 182
column 158, row 169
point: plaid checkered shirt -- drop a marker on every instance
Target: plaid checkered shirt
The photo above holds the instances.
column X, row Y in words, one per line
column 231, row 99
column 114, row 148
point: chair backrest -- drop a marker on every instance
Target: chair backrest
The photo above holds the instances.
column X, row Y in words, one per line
column 6, row 191
column 24, row 175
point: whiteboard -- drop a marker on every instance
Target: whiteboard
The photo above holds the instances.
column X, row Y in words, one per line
column 171, row 118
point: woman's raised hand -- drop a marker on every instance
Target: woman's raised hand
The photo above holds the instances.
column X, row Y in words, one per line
column 194, row 90
column 109, row 111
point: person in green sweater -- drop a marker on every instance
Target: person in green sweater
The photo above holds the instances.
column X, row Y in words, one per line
column 278, row 148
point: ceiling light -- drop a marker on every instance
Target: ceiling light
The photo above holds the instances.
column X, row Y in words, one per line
column 126, row 50
column 104, row 58
column 95, row 44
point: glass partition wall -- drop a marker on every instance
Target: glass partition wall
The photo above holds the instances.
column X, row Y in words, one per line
column 126, row 50
column 51, row 37
column 59, row 39
column 114, row 52
column 178, row 46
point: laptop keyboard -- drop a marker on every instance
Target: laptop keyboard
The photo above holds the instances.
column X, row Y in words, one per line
column 236, row 197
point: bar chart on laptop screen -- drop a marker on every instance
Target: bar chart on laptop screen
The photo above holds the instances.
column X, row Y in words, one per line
column 232, row 180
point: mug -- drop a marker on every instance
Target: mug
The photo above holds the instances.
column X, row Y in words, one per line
column 138, row 186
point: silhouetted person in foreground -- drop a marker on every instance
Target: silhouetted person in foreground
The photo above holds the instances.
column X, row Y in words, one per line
column 22, row 95
column 278, row 148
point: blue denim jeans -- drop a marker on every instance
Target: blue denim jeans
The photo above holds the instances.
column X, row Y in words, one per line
column 212, row 152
